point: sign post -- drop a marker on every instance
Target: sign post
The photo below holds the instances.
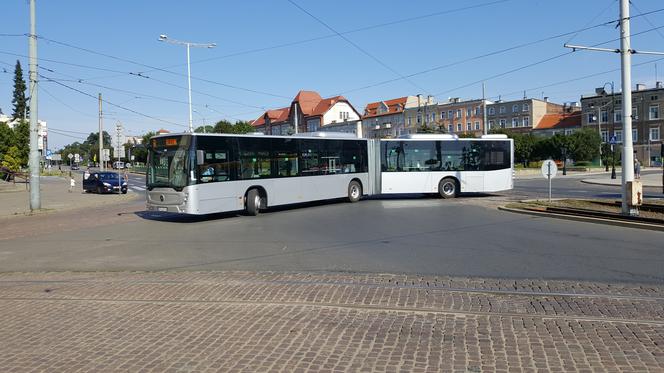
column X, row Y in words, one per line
column 549, row 170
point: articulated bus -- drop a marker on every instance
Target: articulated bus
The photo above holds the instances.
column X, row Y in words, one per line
column 194, row 173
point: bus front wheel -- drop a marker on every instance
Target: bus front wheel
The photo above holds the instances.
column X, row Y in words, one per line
column 253, row 204
column 448, row 188
column 354, row 191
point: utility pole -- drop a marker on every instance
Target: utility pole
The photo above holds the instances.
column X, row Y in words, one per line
column 118, row 156
column 35, row 197
column 625, row 52
column 484, row 124
column 101, row 138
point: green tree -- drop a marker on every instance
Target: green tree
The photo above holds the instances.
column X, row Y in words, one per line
column 19, row 100
column 11, row 159
column 524, row 147
column 7, row 138
column 223, row 126
column 242, row 126
column 204, row 129
column 22, row 140
column 586, row 144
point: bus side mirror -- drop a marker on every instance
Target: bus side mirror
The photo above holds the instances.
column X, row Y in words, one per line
column 200, row 157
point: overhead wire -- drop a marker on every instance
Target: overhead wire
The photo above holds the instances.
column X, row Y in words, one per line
column 356, row 46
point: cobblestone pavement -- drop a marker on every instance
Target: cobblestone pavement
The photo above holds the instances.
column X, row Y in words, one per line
column 241, row 321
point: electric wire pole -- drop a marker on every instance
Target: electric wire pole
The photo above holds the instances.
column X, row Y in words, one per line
column 35, row 197
column 484, row 124
column 625, row 51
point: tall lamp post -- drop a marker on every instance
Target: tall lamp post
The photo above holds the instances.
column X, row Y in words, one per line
column 602, row 92
column 165, row 39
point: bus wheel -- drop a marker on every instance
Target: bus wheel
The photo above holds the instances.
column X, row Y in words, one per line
column 354, row 191
column 253, row 204
column 448, row 188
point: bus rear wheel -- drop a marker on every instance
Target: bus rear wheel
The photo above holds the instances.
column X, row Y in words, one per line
column 448, row 188
column 253, row 204
column 354, row 191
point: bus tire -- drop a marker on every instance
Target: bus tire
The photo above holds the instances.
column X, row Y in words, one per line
column 253, row 204
column 448, row 188
column 354, row 191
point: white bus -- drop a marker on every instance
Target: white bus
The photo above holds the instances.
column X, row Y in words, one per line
column 211, row 173
column 446, row 164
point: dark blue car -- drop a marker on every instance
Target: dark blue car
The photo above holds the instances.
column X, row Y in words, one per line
column 105, row 182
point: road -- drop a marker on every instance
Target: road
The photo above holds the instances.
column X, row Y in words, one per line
column 415, row 235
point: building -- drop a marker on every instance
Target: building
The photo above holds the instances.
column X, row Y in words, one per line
column 559, row 123
column 522, row 115
column 456, row 116
column 309, row 112
column 603, row 111
column 385, row 119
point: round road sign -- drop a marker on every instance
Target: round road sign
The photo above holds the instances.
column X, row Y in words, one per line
column 549, row 169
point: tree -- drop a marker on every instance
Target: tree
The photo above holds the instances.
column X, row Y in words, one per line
column 524, row 147
column 7, row 138
column 22, row 140
column 223, row 126
column 204, row 129
column 11, row 160
column 19, row 100
column 586, row 144
column 243, row 127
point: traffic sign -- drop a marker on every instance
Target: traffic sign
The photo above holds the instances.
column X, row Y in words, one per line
column 70, row 156
column 613, row 141
column 549, row 169
column 77, row 158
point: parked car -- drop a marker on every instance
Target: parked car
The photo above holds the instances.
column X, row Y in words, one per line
column 118, row 165
column 75, row 166
column 105, row 182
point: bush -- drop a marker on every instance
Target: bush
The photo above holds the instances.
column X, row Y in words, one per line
column 583, row 164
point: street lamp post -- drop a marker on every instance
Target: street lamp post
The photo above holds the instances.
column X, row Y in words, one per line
column 602, row 92
column 165, row 39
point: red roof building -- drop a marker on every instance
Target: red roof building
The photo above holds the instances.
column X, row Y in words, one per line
column 309, row 111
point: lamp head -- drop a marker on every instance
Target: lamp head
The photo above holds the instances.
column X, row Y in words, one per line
column 163, row 37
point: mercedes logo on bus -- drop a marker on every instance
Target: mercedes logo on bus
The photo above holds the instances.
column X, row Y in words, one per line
column 161, row 197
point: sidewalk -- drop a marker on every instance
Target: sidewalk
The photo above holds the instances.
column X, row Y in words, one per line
column 649, row 179
column 55, row 195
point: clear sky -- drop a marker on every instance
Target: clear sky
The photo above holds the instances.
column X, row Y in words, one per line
column 268, row 50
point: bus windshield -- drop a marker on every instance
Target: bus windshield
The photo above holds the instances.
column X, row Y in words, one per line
column 168, row 162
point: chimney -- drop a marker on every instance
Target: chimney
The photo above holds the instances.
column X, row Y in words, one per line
column 546, row 98
column 640, row 87
column 658, row 85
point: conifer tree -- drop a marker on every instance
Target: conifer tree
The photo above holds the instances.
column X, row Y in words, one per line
column 19, row 100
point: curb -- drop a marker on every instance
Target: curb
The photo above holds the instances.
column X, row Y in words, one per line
column 586, row 219
column 591, row 181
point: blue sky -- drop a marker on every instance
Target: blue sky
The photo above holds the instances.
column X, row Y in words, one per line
column 263, row 57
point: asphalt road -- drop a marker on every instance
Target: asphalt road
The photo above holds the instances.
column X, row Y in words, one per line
column 415, row 235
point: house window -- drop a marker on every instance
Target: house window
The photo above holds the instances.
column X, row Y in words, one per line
column 525, row 107
column 568, row 132
column 605, row 136
column 617, row 116
column 459, row 127
column 433, row 117
column 419, row 119
column 442, row 115
column 653, row 112
column 515, row 108
column 450, row 128
column 449, row 114
column 635, row 135
column 592, row 118
column 635, row 113
column 526, row 121
column 604, row 116
column 654, row 133
column 515, row 122
column 490, row 124
column 618, row 135
column 492, row 110
column 410, row 121
column 654, row 98
column 478, row 111
column 477, row 125
column 469, row 126
column 503, row 123
column 469, row 111
column 502, row 110
column 458, row 113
